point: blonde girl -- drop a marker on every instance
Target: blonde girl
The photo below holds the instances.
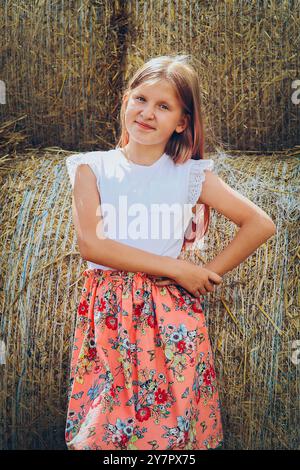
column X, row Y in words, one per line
column 142, row 370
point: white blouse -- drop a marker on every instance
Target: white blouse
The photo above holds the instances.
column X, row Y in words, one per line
column 146, row 207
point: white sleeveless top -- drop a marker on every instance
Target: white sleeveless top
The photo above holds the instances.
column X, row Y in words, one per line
column 146, row 207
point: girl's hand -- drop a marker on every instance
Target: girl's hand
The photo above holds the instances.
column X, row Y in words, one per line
column 165, row 282
column 195, row 279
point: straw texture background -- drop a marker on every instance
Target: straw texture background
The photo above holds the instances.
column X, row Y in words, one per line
column 253, row 318
column 65, row 64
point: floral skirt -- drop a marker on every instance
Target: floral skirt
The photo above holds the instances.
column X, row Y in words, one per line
column 142, row 372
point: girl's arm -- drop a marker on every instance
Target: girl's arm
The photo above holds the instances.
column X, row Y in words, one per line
column 255, row 225
column 95, row 247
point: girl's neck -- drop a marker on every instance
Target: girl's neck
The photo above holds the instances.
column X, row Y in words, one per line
column 143, row 154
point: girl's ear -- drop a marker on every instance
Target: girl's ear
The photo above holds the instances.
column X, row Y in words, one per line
column 124, row 99
column 183, row 123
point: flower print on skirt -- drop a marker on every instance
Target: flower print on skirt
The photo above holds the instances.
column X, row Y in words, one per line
column 142, row 372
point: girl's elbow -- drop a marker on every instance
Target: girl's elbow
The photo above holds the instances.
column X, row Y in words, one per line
column 271, row 228
column 84, row 247
column 265, row 225
column 89, row 247
column 274, row 229
column 83, row 250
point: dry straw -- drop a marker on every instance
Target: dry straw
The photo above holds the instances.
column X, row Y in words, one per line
column 253, row 318
column 65, row 65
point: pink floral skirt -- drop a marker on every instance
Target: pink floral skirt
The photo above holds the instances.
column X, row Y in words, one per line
column 142, row 372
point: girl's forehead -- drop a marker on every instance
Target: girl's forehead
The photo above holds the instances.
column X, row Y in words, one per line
column 154, row 83
column 156, row 87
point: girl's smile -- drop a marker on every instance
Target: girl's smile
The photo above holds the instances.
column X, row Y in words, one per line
column 145, row 127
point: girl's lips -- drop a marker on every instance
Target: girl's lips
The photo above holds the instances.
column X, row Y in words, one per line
column 145, row 127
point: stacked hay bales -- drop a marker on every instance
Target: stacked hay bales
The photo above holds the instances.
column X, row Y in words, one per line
column 70, row 63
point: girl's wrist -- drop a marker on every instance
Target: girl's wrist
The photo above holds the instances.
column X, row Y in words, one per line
column 174, row 267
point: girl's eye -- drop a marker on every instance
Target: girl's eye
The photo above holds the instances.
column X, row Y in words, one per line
column 166, row 107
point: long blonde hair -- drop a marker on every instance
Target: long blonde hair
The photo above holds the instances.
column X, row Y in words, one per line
column 179, row 71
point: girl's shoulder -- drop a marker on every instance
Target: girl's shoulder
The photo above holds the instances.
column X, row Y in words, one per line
column 86, row 157
column 196, row 177
column 95, row 159
column 202, row 164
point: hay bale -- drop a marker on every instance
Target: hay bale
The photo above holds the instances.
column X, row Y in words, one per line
column 69, row 86
column 248, row 58
column 252, row 318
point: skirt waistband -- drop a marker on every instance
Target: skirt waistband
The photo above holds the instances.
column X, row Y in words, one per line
column 113, row 273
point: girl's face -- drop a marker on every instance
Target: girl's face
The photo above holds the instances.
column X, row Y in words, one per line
column 157, row 106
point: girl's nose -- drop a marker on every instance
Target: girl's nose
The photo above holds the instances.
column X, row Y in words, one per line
column 147, row 113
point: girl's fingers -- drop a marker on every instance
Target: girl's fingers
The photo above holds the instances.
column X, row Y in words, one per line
column 164, row 283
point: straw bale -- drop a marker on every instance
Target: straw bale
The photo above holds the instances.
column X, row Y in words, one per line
column 253, row 318
column 65, row 65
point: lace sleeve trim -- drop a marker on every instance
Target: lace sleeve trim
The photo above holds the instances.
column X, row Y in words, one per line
column 196, row 179
column 72, row 162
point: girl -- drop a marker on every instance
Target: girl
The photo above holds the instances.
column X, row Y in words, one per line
column 142, row 370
